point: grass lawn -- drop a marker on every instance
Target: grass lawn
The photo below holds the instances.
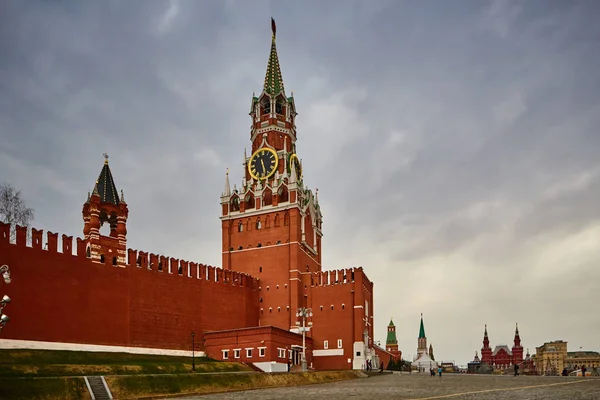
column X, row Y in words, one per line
column 57, row 375
column 53, row 363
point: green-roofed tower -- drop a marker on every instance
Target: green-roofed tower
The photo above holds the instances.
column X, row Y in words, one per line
column 391, row 342
column 422, row 340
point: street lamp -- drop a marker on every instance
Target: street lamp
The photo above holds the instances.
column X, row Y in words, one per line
column 304, row 313
column 5, row 271
column 193, row 359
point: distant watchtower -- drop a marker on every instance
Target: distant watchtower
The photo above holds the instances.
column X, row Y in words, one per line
column 422, row 341
column 104, row 206
column 391, row 343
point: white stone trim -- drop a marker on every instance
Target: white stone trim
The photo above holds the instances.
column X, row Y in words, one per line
column 328, row 352
column 264, row 351
column 274, row 245
column 283, row 206
column 37, row 345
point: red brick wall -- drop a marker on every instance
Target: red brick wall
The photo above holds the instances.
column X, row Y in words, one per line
column 345, row 320
column 66, row 298
column 253, row 338
column 284, row 269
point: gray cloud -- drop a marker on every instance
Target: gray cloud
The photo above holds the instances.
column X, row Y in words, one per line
column 455, row 144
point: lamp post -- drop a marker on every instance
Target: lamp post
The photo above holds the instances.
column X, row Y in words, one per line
column 5, row 271
column 193, row 359
column 304, row 313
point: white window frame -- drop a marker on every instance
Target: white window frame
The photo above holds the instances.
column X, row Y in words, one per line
column 237, row 353
column 340, row 344
column 225, row 354
column 325, row 344
column 262, row 351
column 280, row 352
column 249, row 352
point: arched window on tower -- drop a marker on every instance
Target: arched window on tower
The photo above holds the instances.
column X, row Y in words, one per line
column 279, row 107
column 267, row 197
column 276, row 220
column 235, row 203
column 240, row 226
column 286, row 219
column 258, row 223
column 266, row 106
column 283, row 194
column 250, row 201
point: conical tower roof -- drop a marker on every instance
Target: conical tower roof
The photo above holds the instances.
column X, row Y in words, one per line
column 391, row 334
column 273, row 79
column 422, row 329
column 105, row 185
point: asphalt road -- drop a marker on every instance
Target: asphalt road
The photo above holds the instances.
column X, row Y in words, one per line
column 425, row 387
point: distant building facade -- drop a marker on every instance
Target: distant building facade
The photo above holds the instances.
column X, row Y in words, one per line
column 502, row 356
column 552, row 358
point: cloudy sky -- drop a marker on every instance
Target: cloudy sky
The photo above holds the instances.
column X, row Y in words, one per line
column 455, row 144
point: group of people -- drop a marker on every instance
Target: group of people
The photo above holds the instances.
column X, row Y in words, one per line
column 439, row 371
column 369, row 366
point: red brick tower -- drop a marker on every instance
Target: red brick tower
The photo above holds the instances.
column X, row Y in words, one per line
column 517, row 350
column 105, row 206
column 271, row 225
column 391, row 342
column 486, row 351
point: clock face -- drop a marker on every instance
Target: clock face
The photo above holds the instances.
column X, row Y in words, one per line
column 296, row 161
column 263, row 163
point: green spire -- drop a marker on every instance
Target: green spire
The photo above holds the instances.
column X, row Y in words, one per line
column 422, row 329
column 273, row 80
column 391, row 335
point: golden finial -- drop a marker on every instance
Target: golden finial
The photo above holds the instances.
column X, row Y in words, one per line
column 227, row 171
column 105, row 158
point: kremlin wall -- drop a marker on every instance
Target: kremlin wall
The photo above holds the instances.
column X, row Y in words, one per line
column 95, row 291
column 63, row 296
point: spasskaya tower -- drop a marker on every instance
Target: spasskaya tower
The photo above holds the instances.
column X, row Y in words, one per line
column 271, row 223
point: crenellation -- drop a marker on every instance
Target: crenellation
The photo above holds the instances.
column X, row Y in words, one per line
column 183, row 268
column 153, row 262
column 52, row 242
column 81, row 247
column 142, row 260
column 21, row 235
column 37, row 238
column 163, row 263
column 67, row 244
column 4, row 232
column 173, row 265
column 131, row 257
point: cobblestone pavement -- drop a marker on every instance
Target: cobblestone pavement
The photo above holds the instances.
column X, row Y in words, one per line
column 425, row 387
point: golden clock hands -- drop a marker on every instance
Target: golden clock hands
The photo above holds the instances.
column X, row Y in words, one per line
column 263, row 165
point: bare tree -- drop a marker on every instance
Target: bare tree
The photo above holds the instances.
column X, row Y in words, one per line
column 13, row 209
